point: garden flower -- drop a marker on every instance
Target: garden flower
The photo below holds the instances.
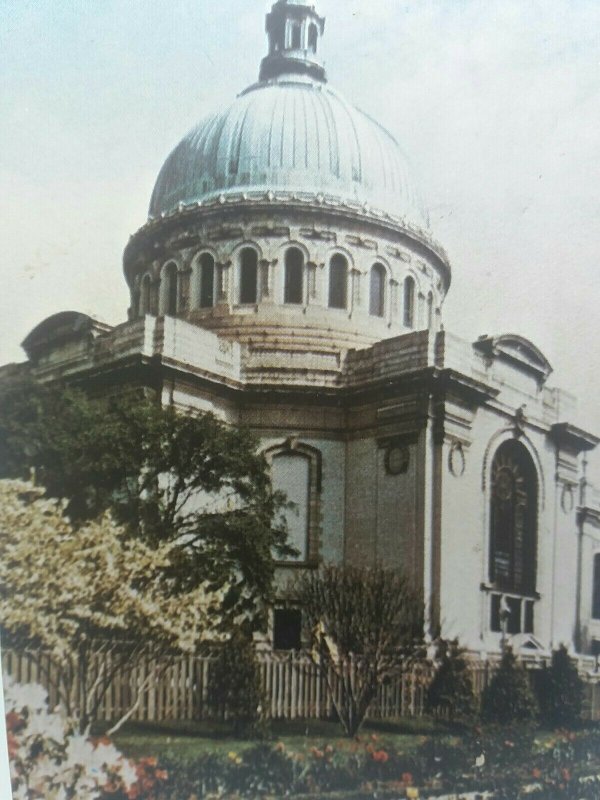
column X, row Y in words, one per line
column 407, row 777
column 381, row 756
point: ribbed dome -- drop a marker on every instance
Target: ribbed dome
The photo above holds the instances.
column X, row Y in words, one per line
column 292, row 136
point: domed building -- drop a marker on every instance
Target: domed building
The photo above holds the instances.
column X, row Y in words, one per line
column 286, row 279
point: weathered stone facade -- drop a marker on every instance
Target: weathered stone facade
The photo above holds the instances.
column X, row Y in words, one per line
column 315, row 318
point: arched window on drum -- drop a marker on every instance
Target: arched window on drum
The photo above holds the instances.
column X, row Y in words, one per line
column 409, row 302
column 169, row 290
column 248, row 276
column 207, row 280
column 338, row 281
column 377, row 291
column 513, row 538
column 293, row 290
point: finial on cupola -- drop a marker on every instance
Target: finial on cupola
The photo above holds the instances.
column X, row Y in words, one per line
column 294, row 30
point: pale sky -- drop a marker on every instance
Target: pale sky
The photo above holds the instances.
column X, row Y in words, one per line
column 496, row 103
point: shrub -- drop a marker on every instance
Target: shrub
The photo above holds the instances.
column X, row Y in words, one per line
column 235, row 689
column 508, row 698
column 560, row 691
column 451, row 690
column 366, row 626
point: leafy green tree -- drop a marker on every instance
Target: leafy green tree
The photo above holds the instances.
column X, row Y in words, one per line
column 166, row 476
column 451, row 690
column 508, row 698
column 560, row 691
column 366, row 626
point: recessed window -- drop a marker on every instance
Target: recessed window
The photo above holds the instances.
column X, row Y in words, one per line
column 377, row 291
column 511, row 614
column 294, row 274
column 248, row 276
column 596, row 589
column 287, row 629
column 207, row 280
column 409, row 302
column 338, row 281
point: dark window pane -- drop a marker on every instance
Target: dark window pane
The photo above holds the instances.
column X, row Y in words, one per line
column 338, row 280
column 207, row 280
column 287, row 629
column 248, row 276
column 596, row 596
column 513, row 624
column 528, row 617
column 495, row 615
column 312, row 38
column 377, row 291
column 294, row 268
column 409, row 302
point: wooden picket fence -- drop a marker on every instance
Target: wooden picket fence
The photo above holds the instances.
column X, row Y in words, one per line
column 176, row 688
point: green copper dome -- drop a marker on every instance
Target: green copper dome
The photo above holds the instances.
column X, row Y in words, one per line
column 292, row 135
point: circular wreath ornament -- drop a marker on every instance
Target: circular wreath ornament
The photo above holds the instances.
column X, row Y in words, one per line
column 456, row 460
column 397, row 459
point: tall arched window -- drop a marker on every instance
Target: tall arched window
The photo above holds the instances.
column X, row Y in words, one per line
column 207, row 280
column 409, row 302
column 248, row 276
column 313, row 35
column 145, row 296
column 170, row 289
column 296, row 36
column 338, row 281
column 377, row 291
column 294, row 276
column 513, row 534
column 290, row 473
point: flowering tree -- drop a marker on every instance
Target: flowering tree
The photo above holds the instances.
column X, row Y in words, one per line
column 92, row 597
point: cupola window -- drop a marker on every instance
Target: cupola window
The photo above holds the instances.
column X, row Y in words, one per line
column 409, row 302
column 294, row 276
column 377, row 291
column 338, row 281
column 207, row 280
column 296, row 36
column 248, row 276
column 313, row 35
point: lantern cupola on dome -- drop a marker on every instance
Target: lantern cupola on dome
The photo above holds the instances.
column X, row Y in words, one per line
column 294, row 30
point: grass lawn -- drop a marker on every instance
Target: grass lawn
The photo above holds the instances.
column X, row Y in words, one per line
column 187, row 740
